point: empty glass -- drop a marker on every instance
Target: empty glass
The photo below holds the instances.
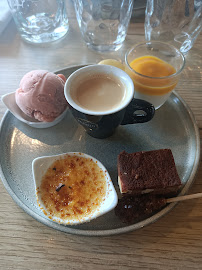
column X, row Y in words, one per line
column 40, row 21
column 175, row 21
column 103, row 23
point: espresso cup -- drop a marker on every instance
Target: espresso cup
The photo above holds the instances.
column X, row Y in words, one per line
column 101, row 97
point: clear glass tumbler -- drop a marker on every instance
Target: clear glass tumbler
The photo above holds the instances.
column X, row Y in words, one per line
column 40, row 21
column 155, row 68
column 178, row 22
column 103, row 23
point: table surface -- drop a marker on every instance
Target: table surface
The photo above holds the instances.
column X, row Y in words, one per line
column 173, row 242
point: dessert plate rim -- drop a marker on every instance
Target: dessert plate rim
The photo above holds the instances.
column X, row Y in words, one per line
column 176, row 99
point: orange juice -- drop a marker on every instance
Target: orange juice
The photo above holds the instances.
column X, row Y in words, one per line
column 152, row 75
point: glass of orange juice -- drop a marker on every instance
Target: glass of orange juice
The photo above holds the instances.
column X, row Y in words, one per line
column 154, row 68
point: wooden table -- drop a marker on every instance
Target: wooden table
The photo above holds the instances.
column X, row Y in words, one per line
column 173, row 242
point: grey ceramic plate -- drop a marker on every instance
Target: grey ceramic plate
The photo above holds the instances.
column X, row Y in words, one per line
column 173, row 126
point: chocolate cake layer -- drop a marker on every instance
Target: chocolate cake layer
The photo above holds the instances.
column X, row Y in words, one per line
column 133, row 208
column 150, row 171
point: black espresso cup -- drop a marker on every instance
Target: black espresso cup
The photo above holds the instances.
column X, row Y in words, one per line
column 101, row 98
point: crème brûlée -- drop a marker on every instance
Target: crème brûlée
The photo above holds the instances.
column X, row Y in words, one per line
column 72, row 188
column 152, row 75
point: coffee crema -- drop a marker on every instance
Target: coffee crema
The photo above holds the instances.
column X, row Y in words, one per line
column 99, row 93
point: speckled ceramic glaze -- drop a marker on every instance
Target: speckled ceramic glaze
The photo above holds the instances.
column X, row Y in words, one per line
column 173, row 126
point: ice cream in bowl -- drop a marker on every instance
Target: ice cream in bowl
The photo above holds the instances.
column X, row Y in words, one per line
column 73, row 188
column 39, row 101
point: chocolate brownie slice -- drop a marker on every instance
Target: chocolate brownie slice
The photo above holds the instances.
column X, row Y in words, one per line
column 133, row 208
column 150, row 171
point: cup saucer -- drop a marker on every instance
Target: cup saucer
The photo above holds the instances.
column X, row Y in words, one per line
column 9, row 101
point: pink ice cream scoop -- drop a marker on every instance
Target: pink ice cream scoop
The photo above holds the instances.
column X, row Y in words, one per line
column 41, row 95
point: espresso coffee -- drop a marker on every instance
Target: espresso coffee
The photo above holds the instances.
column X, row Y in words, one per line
column 101, row 97
column 99, row 93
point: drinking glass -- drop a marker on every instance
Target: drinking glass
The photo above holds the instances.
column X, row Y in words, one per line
column 178, row 22
column 154, row 89
column 40, row 21
column 103, row 23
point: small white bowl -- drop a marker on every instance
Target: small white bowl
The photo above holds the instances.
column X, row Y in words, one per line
column 9, row 101
column 39, row 167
